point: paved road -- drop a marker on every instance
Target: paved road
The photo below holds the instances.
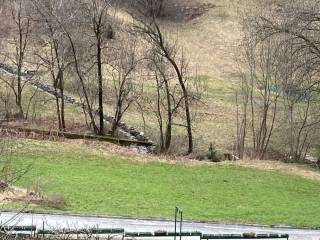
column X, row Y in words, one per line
column 72, row 221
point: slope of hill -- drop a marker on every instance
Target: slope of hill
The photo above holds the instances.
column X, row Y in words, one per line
column 105, row 179
column 211, row 41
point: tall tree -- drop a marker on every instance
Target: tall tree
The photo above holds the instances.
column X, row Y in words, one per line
column 97, row 11
column 55, row 55
column 283, row 53
column 151, row 30
column 127, row 89
column 21, row 30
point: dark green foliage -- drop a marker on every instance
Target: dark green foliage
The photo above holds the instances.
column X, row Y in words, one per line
column 110, row 32
column 318, row 155
column 318, row 152
column 213, row 154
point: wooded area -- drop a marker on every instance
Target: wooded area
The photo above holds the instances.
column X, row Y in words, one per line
column 86, row 49
column 280, row 95
column 116, row 56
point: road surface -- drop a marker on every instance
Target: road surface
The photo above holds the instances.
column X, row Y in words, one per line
column 52, row 221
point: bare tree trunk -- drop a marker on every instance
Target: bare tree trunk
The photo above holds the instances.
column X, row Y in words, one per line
column 57, row 106
column 169, row 117
column 62, row 111
column 20, row 45
column 182, row 85
column 153, row 33
column 163, row 146
column 100, row 83
column 186, row 103
column 117, row 117
column 242, row 123
column 19, row 96
column 83, row 86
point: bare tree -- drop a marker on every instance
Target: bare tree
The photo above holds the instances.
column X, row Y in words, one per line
column 88, row 43
column 54, row 54
column 242, row 116
column 127, row 89
column 163, row 83
column 293, row 32
column 88, row 107
column 152, row 32
column 5, row 97
column 71, row 26
column 169, row 98
column 21, row 37
column 5, row 19
column 301, row 106
column 97, row 12
column 261, row 61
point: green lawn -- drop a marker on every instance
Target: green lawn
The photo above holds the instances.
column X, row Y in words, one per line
column 97, row 182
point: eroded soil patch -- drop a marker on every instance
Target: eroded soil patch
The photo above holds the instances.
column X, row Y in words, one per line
column 20, row 195
column 185, row 10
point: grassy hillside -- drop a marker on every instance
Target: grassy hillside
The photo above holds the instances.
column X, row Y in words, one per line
column 104, row 179
column 211, row 45
column 211, row 41
column 101, row 181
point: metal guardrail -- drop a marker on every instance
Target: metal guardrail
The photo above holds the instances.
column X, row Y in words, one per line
column 97, row 231
column 19, row 231
column 139, row 234
column 29, row 231
column 18, row 228
column 205, row 236
column 242, row 236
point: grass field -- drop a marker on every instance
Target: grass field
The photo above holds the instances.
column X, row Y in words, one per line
column 97, row 181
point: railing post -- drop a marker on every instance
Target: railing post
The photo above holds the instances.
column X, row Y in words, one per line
column 175, row 222
column 180, row 223
column 43, row 229
column 176, row 212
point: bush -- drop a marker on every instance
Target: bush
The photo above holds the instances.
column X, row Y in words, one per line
column 57, row 202
column 318, row 155
column 213, row 154
column 318, row 152
column 54, row 201
column 3, row 186
column 110, row 32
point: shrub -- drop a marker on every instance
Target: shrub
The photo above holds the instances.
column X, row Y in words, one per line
column 57, row 202
column 318, row 155
column 318, row 152
column 110, row 32
column 213, row 154
column 3, row 186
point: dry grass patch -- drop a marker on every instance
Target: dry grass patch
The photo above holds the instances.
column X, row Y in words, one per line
column 107, row 149
column 14, row 194
column 281, row 167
